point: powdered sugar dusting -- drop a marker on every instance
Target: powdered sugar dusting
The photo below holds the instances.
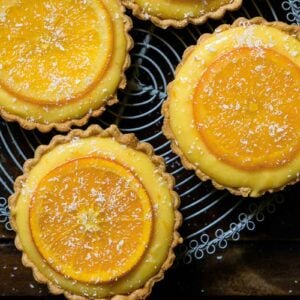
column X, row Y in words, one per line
column 90, row 218
column 252, row 111
column 49, row 48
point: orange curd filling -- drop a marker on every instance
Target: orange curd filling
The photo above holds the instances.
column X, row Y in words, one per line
column 246, row 108
column 91, row 219
column 180, row 9
column 53, row 51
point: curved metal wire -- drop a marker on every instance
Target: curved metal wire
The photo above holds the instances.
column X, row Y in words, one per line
column 211, row 217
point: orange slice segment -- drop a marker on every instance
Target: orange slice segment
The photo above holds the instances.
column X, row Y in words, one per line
column 91, row 219
column 53, row 51
column 246, row 108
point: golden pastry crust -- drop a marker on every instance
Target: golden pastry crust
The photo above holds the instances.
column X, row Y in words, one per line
column 130, row 141
column 66, row 125
column 140, row 13
column 292, row 30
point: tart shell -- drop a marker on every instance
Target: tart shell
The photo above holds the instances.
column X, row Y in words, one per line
column 66, row 126
column 130, row 141
column 293, row 30
column 165, row 23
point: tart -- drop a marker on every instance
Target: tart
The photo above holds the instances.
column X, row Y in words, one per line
column 232, row 112
column 61, row 61
column 96, row 215
column 176, row 13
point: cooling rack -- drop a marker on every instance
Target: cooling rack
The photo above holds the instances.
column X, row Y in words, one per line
column 211, row 217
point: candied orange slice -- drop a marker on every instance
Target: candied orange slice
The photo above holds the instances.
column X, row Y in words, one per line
column 53, row 51
column 91, row 219
column 245, row 108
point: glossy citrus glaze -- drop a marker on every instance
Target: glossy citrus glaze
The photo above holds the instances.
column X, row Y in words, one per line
column 176, row 9
column 59, row 60
column 237, row 98
column 52, row 60
column 246, row 108
column 106, row 217
column 119, row 159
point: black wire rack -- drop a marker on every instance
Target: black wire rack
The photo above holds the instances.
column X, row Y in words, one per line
column 211, row 217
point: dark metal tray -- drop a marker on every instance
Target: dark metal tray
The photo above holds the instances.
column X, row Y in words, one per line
column 211, row 217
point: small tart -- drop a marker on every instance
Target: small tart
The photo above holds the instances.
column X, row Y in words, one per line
column 61, row 61
column 178, row 13
column 96, row 215
column 232, row 112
